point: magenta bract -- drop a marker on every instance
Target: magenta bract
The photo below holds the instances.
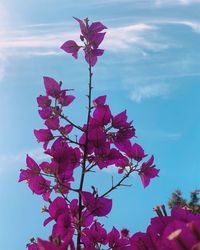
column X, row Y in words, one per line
column 46, row 245
column 66, row 130
column 32, row 171
column 147, row 172
column 100, row 101
column 39, row 185
column 102, row 115
column 95, row 234
column 43, row 135
column 52, row 123
column 96, row 206
column 45, row 113
column 71, row 47
column 115, row 242
column 43, row 101
column 64, row 99
column 92, row 37
column 51, row 86
column 92, row 54
column 119, row 121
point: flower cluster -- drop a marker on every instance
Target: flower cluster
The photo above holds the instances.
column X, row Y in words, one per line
column 180, row 230
column 92, row 37
column 104, row 140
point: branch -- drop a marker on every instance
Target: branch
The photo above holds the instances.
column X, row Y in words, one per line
column 85, row 149
column 119, row 183
column 73, row 124
column 70, row 140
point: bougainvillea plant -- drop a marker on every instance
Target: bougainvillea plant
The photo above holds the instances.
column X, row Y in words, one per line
column 105, row 140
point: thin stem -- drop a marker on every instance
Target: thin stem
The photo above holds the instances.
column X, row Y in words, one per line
column 61, row 190
column 73, row 124
column 107, row 129
column 85, row 149
column 68, row 139
column 119, row 183
column 90, row 167
column 70, row 188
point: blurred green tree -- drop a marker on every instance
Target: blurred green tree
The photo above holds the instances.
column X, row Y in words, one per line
column 193, row 204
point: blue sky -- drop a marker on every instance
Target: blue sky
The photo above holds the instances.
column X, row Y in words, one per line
column 150, row 67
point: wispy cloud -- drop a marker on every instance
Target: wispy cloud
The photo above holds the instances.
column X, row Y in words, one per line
column 160, row 134
column 111, row 169
column 146, row 4
column 149, row 91
column 195, row 25
column 160, row 3
column 44, row 40
column 3, row 27
column 129, row 35
column 137, row 3
column 133, row 37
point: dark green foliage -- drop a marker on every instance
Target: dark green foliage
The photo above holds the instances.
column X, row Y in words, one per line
column 193, row 204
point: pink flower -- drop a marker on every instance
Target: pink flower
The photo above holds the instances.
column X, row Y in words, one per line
column 64, row 99
column 92, row 53
column 100, row 101
column 45, row 113
column 43, row 135
column 52, row 123
column 96, row 206
column 95, row 234
column 114, row 240
column 48, row 168
column 92, row 37
column 71, row 47
column 90, row 31
column 137, row 152
column 66, row 130
column 46, row 245
column 147, row 172
column 102, row 115
column 124, row 233
column 120, row 120
column 43, row 101
column 86, row 217
column 56, row 208
column 51, row 86
column 32, row 171
column 39, row 185
column 33, row 247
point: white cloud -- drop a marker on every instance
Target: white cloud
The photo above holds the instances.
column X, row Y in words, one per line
column 186, row 2
column 132, row 36
column 3, row 27
column 192, row 24
column 172, row 135
column 45, row 41
column 149, row 91
column 160, row 3
column 111, row 169
column 160, row 134
column 137, row 3
column 48, row 40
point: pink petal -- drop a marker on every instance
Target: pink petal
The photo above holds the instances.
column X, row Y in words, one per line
column 51, row 86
